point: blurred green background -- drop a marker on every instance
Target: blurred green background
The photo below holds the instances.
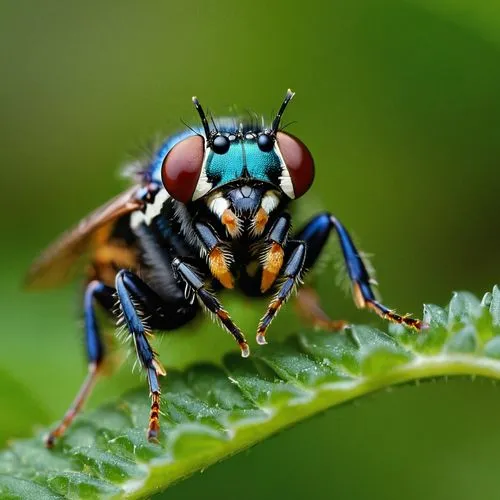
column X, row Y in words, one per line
column 399, row 102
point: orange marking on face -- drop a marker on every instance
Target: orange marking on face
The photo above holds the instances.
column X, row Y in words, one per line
column 260, row 221
column 231, row 222
column 272, row 266
column 219, row 267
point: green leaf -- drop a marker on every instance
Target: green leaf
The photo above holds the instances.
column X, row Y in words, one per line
column 212, row 412
column 13, row 392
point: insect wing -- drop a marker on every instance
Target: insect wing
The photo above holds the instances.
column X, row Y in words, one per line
column 57, row 264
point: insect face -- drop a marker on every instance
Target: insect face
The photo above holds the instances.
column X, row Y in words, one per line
column 201, row 164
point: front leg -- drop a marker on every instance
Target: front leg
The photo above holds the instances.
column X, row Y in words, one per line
column 195, row 285
column 291, row 275
column 316, row 233
column 102, row 294
column 274, row 253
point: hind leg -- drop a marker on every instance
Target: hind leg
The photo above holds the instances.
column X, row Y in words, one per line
column 96, row 291
column 308, row 306
column 163, row 316
column 316, row 233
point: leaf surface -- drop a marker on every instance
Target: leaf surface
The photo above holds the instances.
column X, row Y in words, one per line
column 211, row 413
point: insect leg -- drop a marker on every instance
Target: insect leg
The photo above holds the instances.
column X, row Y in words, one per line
column 95, row 353
column 309, row 307
column 316, row 233
column 217, row 260
column 291, row 274
column 272, row 258
column 127, row 285
column 210, row 301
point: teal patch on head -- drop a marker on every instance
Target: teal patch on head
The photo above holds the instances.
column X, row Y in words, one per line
column 260, row 165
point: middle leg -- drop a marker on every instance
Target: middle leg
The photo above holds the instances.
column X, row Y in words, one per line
column 100, row 293
column 196, row 286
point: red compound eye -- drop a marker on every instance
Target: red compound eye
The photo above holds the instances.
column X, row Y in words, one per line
column 298, row 160
column 182, row 167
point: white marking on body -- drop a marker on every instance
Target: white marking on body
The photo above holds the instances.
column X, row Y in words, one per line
column 218, row 204
column 285, row 180
column 270, row 201
column 203, row 186
column 286, row 184
column 136, row 219
column 152, row 210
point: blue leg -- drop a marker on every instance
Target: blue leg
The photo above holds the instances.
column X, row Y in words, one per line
column 95, row 353
column 316, row 234
column 129, row 289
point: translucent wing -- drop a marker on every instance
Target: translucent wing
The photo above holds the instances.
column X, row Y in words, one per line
column 56, row 265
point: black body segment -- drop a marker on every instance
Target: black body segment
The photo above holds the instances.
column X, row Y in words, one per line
column 279, row 230
column 207, row 236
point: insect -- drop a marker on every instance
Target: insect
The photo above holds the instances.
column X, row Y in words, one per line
column 209, row 211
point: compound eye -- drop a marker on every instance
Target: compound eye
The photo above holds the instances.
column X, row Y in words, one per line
column 265, row 142
column 181, row 168
column 298, row 161
column 220, row 144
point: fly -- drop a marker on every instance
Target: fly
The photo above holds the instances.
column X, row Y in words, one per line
column 209, row 210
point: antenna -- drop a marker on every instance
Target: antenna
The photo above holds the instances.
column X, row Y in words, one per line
column 203, row 117
column 276, row 122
